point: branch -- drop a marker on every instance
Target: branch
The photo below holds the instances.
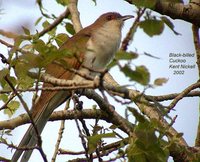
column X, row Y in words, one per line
column 24, row 148
column 39, row 140
column 196, row 38
column 116, row 119
column 182, row 94
column 145, row 107
column 23, row 103
column 104, row 150
column 5, row 43
column 189, row 12
column 58, row 20
column 170, row 96
column 109, row 109
column 5, row 105
column 180, row 148
column 57, row 115
column 69, row 83
column 78, row 105
column 60, row 134
column 132, row 30
column 75, row 15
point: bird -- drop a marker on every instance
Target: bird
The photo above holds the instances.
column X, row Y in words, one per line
column 93, row 47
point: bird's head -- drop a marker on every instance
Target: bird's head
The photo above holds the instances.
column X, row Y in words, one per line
column 112, row 18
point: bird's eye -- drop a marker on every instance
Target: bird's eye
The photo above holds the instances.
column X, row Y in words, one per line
column 110, row 17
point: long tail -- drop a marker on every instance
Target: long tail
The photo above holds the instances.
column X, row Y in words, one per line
column 30, row 138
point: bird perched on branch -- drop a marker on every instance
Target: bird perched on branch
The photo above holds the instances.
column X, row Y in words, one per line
column 93, row 48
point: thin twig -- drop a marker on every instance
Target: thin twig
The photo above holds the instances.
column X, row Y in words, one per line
column 6, row 44
column 55, row 23
column 3, row 58
column 182, row 94
column 41, row 33
column 107, row 108
column 83, row 141
column 61, row 130
column 39, row 140
column 129, row 35
column 24, row 148
column 4, row 106
column 68, row 152
column 105, row 150
column 145, row 107
column 196, row 39
column 170, row 96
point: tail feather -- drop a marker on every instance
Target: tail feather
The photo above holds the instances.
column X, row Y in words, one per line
column 24, row 142
column 30, row 138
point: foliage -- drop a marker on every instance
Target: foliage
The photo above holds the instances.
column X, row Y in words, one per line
column 147, row 146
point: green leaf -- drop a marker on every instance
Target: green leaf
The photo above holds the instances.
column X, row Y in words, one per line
column 38, row 20
column 144, row 3
column 95, row 2
column 26, row 30
column 47, row 53
column 61, row 38
column 12, row 107
column 123, row 55
column 3, row 73
column 152, row 27
column 160, row 81
column 23, row 64
column 18, row 42
column 70, row 28
column 23, row 80
column 146, row 133
column 112, row 64
column 147, row 146
column 45, row 24
column 140, row 74
column 150, row 55
column 63, row 2
column 136, row 114
column 169, row 24
column 113, row 127
column 95, row 139
column 28, row 60
column 40, row 46
column 4, row 97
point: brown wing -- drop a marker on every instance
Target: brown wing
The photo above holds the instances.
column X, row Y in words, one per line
column 76, row 45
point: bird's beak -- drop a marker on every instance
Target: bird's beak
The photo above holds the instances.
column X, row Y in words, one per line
column 126, row 17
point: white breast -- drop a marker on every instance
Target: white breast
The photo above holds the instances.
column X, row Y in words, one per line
column 102, row 46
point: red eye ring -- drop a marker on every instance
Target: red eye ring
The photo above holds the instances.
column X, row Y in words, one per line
column 110, row 17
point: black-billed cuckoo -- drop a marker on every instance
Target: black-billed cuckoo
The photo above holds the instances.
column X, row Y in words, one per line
column 93, row 47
